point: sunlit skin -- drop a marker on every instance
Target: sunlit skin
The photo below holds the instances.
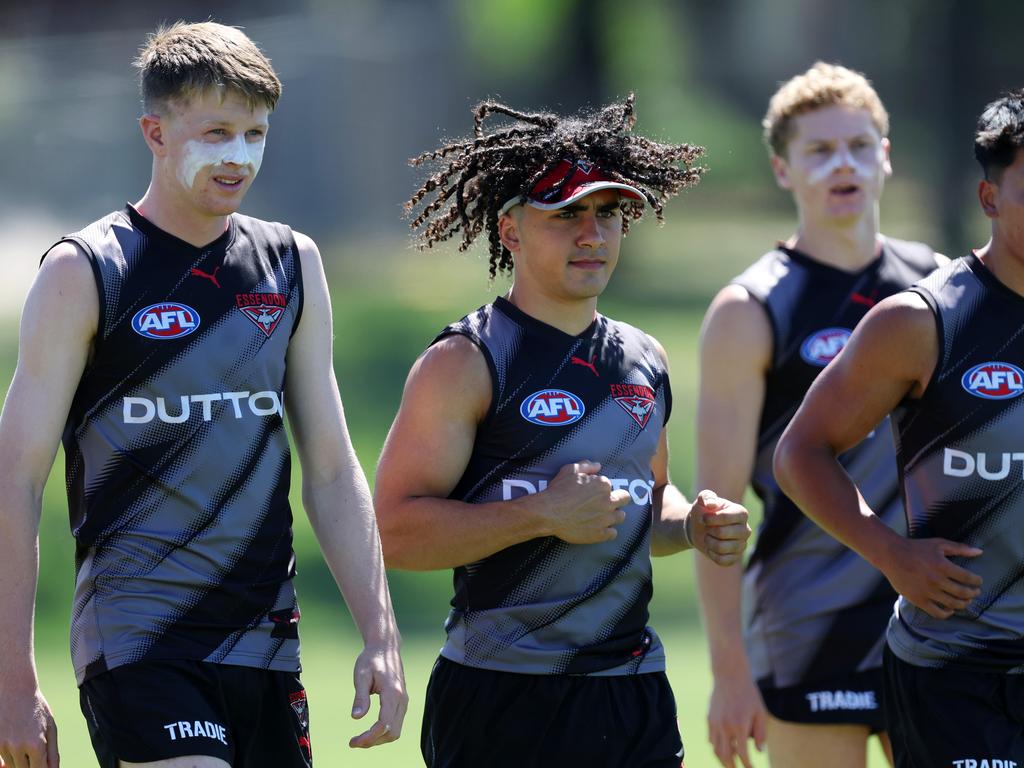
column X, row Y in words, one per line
column 198, row 214
column 1002, row 200
column 563, row 258
column 844, row 198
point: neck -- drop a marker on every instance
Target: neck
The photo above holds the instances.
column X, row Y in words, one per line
column 1004, row 261
column 571, row 317
column 849, row 248
column 176, row 217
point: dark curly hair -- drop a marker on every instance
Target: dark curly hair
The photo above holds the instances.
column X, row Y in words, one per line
column 476, row 176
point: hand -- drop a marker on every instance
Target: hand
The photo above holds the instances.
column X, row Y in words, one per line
column 379, row 671
column 718, row 528
column 581, row 506
column 28, row 734
column 921, row 571
column 736, row 714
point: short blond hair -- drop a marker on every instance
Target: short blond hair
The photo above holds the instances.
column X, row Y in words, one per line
column 185, row 59
column 823, row 85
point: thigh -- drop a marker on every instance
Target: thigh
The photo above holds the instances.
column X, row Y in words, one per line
column 952, row 717
column 798, row 745
column 151, row 712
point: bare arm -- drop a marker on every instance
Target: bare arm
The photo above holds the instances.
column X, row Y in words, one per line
column 891, row 355
column 735, row 354
column 715, row 527
column 446, row 396
column 336, row 497
column 57, row 327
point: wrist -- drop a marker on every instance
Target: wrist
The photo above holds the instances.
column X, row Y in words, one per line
column 687, row 530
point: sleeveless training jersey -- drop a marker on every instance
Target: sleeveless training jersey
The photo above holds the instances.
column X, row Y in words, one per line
column 961, row 454
column 546, row 606
column 177, row 458
column 815, row 609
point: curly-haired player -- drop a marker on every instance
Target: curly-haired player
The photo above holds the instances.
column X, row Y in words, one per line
column 529, row 454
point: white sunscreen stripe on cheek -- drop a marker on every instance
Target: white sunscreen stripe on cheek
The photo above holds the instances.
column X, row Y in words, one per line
column 200, row 154
column 836, row 161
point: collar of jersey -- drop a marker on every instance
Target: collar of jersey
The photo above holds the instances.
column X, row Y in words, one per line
column 509, row 309
column 151, row 230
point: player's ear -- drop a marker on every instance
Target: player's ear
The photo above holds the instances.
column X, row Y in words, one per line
column 153, row 133
column 886, row 160
column 508, row 229
column 987, row 198
column 781, row 170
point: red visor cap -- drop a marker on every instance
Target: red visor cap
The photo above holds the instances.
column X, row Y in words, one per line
column 568, row 182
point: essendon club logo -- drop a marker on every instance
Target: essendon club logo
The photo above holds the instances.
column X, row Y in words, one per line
column 297, row 701
column 264, row 309
column 635, row 399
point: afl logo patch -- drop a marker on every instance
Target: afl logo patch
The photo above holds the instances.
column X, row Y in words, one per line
column 821, row 348
column 552, row 408
column 994, row 381
column 165, row 321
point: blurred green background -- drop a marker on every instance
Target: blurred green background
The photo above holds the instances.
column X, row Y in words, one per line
column 369, row 83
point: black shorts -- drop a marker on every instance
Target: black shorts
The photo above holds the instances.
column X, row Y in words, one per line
column 250, row 718
column 852, row 699
column 955, row 718
column 478, row 717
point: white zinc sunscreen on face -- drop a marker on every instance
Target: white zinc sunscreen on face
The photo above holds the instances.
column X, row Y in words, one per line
column 237, row 151
column 842, row 157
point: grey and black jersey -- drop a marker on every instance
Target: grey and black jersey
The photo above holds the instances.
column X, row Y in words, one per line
column 813, row 609
column 177, row 459
column 961, row 456
column 546, row 606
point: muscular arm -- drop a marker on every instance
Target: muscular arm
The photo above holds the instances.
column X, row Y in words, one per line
column 891, row 355
column 735, row 354
column 714, row 526
column 57, row 328
column 446, row 396
column 336, row 497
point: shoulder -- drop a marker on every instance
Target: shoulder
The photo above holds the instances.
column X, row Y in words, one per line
column 68, row 268
column 452, row 374
column 905, row 319
column 919, row 255
column 64, row 289
column 762, row 277
column 736, row 315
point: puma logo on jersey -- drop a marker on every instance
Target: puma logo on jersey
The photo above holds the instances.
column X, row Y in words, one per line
column 169, row 320
column 552, row 408
column 212, row 277
column 994, row 381
column 142, row 410
column 580, row 361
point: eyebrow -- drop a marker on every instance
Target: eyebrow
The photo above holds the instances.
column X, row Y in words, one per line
column 577, row 207
column 230, row 124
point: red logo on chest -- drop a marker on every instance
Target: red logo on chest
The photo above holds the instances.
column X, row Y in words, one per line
column 265, row 310
column 635, row 399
